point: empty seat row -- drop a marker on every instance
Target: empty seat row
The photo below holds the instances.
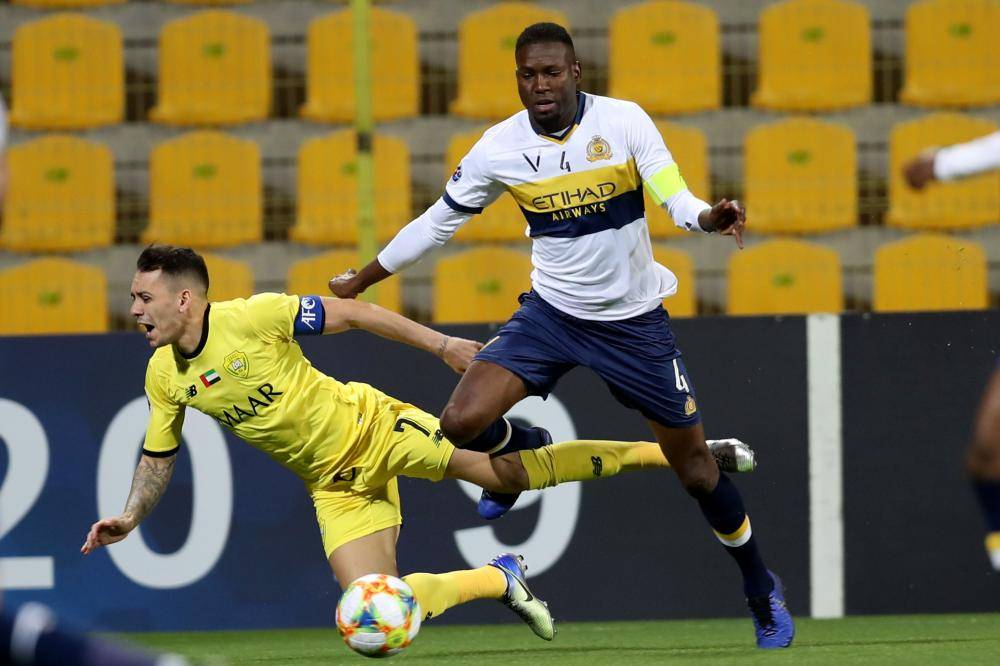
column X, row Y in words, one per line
column 813, row 55
column 214, row 69
column 205, row 190
column 214, row 66
column 206, row 187
column 924, row 272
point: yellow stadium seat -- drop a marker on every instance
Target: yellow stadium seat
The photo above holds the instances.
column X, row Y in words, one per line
column 500, row 221
column 487, row 87
column 328, row 196
column 53, row 296
column 961, row 204
column 930, row 272
column 784, row 277
column 480, row 285
column 395, row 67
column 310, row 277
column 214, row 69
column 60, row 196
column 68, row 73
column 684, row 302
column 800, row 176
column 205, row 190
column 815, row 55
column 952, row 57
column 227, row 278
column 64, row 4
column 665, row 55
column 689, row 148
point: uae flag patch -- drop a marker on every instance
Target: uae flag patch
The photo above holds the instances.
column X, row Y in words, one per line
column 209, row 378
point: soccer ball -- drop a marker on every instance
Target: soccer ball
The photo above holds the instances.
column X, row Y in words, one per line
column 378, row 615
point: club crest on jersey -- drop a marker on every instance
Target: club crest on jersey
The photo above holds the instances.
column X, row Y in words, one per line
column 598, row 149
column 236, row 364
column 689, row 406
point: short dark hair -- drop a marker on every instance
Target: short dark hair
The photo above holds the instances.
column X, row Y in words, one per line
column 544, row 33
column 175, row 262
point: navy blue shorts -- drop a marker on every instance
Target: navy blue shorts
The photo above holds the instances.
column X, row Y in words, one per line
column 636, row 357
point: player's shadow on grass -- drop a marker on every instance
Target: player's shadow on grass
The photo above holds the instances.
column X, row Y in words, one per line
column 666, row 651
column 897, row 641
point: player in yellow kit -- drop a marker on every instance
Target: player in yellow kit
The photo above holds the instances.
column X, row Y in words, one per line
column 238, row 362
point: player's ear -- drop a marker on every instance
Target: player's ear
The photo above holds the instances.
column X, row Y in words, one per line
column 184, row 301
column 577, row 71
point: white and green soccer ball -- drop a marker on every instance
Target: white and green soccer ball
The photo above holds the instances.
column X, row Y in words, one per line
column 378, row 615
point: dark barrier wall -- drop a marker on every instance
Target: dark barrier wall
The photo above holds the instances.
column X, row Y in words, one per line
column 913, row 532
column 234, row 543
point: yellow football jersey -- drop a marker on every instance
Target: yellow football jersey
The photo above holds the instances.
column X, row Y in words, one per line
column 250, row 375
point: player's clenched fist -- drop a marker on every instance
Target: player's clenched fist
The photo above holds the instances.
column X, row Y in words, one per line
column 459, row 352
column 106, row 532
column 726, row 217
column 345, row 285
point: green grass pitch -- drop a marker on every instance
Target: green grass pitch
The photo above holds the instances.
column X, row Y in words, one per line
column 912, row 639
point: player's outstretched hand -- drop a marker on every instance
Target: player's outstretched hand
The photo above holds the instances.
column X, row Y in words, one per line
column 920, row 170
column 727, row 217
column 106, row 532
column 459, row 352
column 344, row 285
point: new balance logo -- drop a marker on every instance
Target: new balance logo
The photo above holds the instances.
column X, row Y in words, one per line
column 598, row 465
column 192, row 391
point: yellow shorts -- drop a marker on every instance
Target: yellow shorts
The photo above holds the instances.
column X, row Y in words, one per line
column 403, row 440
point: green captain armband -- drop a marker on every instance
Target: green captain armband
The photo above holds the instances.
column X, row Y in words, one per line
column 665, row 183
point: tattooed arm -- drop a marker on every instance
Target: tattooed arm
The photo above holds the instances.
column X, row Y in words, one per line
column 148, row 484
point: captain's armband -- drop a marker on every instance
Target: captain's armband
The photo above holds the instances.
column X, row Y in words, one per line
column 311, row 316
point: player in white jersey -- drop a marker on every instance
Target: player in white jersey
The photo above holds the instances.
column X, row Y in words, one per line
column 983, row 459
column 575, row 163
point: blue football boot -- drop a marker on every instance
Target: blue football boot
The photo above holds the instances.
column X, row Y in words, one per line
column 771, row 619
column 493, row 505
column 519, row 598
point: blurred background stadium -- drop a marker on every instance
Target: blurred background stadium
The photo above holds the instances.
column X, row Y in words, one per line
column 228, row 125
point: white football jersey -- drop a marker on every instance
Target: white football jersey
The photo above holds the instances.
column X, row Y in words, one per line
column 581, row 195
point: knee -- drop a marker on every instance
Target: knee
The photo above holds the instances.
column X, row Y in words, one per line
column 511, row 473
column 699, row 475
column 460, row 425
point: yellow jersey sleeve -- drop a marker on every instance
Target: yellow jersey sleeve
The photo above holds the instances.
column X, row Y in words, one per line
column 166, row 418
column 272, row 316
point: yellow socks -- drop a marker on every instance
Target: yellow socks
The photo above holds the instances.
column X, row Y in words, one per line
column 993, row 549
column 439, row 592
column 580, row 460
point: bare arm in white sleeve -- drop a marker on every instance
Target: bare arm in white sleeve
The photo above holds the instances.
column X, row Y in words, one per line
column 953, row 162
column 432, row 229
column 662, row 178
column 968, row 159
column 685, row 209
column 470, row 189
